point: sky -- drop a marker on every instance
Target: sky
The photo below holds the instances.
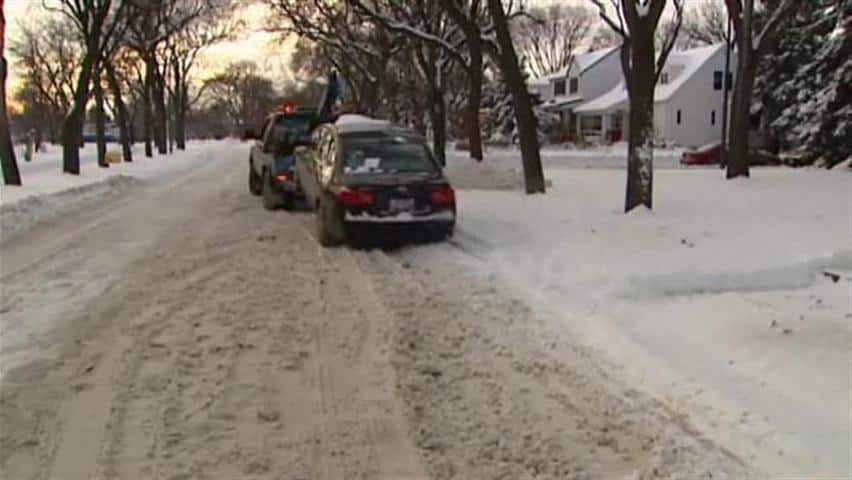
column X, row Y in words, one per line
column 263, row 48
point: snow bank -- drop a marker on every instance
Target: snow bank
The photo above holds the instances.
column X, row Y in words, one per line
column 782, row 277
column 18, row 216
column 47, row 192
column 714, row 301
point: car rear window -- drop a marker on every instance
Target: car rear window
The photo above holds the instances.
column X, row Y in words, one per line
column 286, row 130
column 373, row 152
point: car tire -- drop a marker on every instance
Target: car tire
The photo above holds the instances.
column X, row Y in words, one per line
column 271, row 198
column 255, row 182
column 324, row 228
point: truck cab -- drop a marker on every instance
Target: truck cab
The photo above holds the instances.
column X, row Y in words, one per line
column 272, row 172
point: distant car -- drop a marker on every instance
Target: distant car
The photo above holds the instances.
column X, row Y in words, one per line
column 271, row 162
column 711, row 155
column 365, row 176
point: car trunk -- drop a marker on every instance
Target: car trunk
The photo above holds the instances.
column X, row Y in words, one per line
column 395, row 194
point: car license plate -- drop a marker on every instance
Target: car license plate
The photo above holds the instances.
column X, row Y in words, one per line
column 401, row 204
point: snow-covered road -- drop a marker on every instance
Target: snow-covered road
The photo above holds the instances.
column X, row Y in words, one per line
column 716, row 302
column 182, row 331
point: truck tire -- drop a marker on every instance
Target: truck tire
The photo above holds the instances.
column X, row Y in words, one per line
column 255, row 182
column 271, row 198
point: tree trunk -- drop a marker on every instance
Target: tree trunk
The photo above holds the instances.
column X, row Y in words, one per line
column 180, row 114
column 148, row 113
column 100, row 121
column 11, row 174
column 155, row 106
column 640, row 153
column 438, row 119
column 524, row 116
column 72, row 127
column 475, row 98
column 120, row 113
column 738, row 137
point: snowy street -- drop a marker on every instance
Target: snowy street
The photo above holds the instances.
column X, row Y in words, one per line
column 172, row 328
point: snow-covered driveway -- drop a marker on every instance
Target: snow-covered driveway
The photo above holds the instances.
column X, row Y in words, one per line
column 716, row 301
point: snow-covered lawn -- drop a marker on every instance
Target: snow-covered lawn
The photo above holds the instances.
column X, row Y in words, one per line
column 716, row 301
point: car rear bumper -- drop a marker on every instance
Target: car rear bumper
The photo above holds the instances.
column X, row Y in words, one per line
column 440, row 217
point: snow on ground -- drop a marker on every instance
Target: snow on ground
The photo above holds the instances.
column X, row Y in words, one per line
column 47, row 192
column 569, row 156
column 716, row 301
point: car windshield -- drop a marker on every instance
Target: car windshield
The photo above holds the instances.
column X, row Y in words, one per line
column 376, row 152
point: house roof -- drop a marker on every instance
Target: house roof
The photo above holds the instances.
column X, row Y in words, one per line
column 584, row 61
column 588, row 60
column 691, row 61
column 611, row 100
column 563, row 100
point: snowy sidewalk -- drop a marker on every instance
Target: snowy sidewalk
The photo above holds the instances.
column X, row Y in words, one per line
column 716, row 301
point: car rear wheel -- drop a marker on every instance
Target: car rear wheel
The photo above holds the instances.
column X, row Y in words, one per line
column 271, row 198
column 255, row 182
column 324, row 227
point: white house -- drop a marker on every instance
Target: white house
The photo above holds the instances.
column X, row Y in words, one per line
column 688, row 102
column 589, row 76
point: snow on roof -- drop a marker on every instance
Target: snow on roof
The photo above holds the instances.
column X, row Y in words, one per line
column 360, row 123
column 691, row 60
column 611, row 100
column 587, row 60
column 563, row 100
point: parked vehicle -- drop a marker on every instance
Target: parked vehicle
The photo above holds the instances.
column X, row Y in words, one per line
column 272, row 172
column 365, row 177
column 711, row 155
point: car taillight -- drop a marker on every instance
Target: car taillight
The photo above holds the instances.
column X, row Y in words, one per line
column 355, row 198
column 284, row 177
column 443, row 197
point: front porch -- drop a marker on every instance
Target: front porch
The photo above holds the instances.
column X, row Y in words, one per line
column 602, row 128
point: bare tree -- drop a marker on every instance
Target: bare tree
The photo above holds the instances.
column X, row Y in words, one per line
column 512, row 72
column 705, row 24
column 604, row 37
column 752, row 43
column 11, row 175
column 344, row 39
column 96, row 22
column 242, row 93
column 549, row 37
column 47, row 53
column 434, row 58
column 636, row 22
column 214, row 26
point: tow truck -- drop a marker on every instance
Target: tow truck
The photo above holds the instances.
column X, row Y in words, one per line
column 272, row 172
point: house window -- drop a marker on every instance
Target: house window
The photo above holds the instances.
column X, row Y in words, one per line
column 559, row 87
column 664, row 78
column 678, row 117
column 713, row 117
column 575, row 84
column 717, row 80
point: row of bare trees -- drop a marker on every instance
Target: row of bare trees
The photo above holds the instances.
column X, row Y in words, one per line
column 427, row 57
column 133, row 58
